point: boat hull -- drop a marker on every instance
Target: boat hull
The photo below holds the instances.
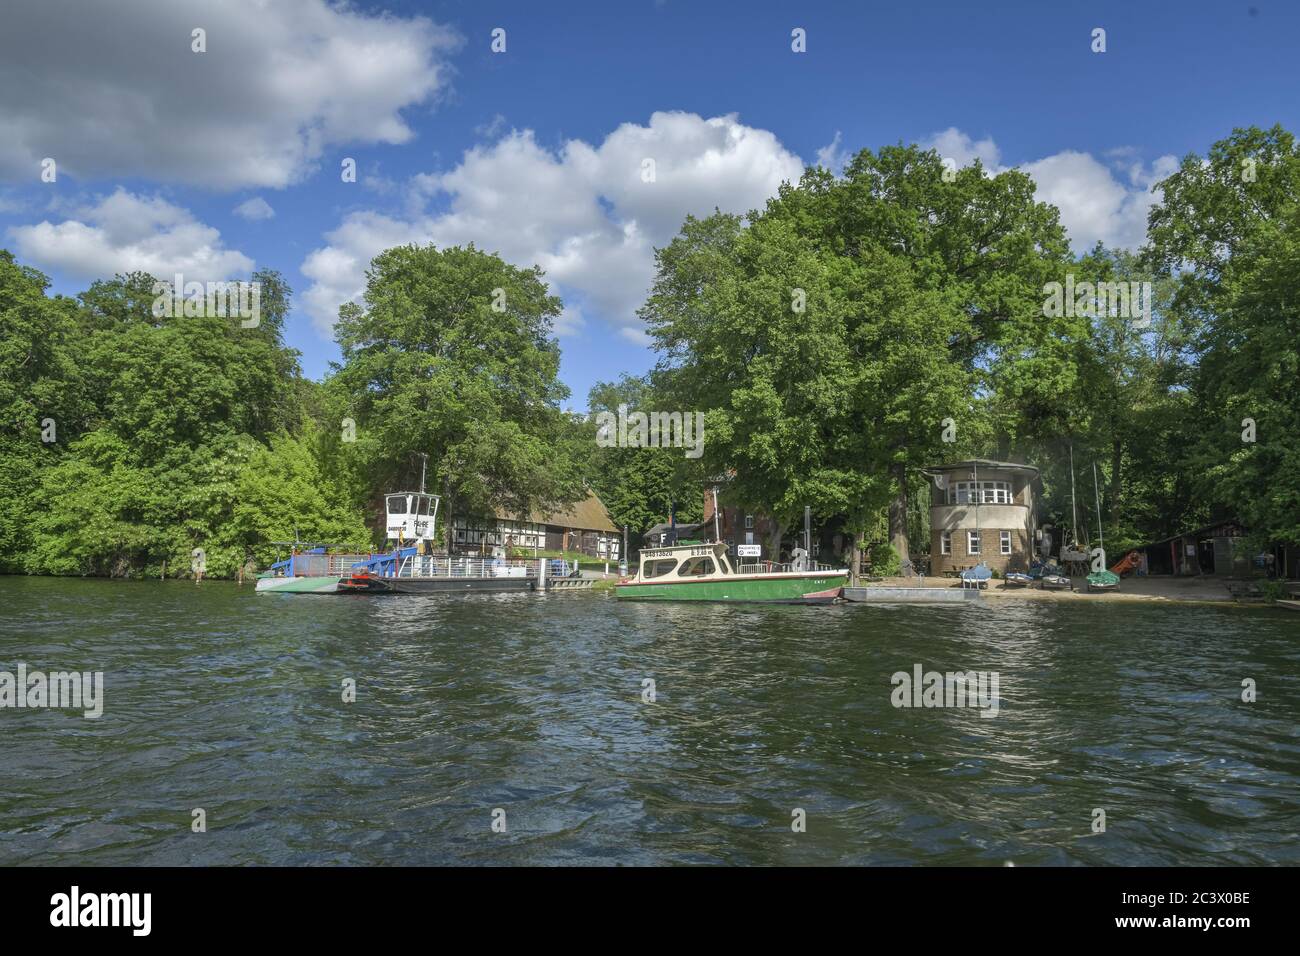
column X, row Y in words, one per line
column 768, row 589
column 451, row 585
column 321, row 584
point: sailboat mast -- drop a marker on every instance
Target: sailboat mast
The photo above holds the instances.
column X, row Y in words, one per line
column 1101, row 540
column 1074, row 508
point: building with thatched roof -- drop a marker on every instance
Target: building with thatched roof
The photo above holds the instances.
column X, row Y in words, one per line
column 584, row 526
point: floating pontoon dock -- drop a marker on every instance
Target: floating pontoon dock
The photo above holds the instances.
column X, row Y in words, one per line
column 893, row 595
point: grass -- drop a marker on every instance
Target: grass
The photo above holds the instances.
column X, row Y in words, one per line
column 584, row 560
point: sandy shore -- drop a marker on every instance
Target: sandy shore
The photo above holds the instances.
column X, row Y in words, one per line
column 1197, row 590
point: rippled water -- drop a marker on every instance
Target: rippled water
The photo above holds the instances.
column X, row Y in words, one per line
column 220, row 699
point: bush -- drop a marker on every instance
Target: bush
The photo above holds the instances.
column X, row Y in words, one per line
column 885, row 560
column 1272, row 590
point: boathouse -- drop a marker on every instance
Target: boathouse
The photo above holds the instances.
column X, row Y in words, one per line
column 982, row 511
column 584, row 527
column 1217, row 549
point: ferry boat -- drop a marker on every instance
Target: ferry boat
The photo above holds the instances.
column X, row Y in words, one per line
column 411, row 567
column 703, row 572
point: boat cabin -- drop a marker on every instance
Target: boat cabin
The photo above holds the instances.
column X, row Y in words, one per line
column 684, row 561
column 410, row 516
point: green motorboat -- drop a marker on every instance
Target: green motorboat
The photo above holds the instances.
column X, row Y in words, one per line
column 703, row 572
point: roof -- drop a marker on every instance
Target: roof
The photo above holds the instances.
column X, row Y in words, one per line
column 681, row 527
column 1197, row 532
column 587, row 515
column 983, row 463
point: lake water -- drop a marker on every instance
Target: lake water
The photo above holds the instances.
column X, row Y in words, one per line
column 220, row 699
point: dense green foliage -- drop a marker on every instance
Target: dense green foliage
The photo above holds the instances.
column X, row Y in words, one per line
column 832, row 335
column 854, row 330
column 452, row 356
column 641, row 487
column 1231, row 221
column 131, row 439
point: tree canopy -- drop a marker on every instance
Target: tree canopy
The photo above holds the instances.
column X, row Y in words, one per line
column 855, row 329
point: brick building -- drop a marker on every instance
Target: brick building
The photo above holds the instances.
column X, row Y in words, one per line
column 982, row 511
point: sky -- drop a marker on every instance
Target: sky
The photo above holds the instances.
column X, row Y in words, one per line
column 212, row 164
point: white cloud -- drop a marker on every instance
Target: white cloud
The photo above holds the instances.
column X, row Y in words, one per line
column 254, row 209
column 126, row 233
column 492, row 128
column 584, row 213
column 833, row 156
column 114, row 89
column 1095, row 204
column 953, row 144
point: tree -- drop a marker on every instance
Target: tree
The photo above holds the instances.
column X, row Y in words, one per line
column 1227, row 228
column 38, row 384
column 832, row 337
column 172, row 432
column 640, row 487
column 452, row 356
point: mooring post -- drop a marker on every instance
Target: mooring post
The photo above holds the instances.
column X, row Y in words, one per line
column 541, row 573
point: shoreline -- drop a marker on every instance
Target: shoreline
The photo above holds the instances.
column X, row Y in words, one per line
column 1156, row 590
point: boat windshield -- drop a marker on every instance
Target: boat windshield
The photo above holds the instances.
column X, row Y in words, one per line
column 397, row 504
column 657, row 569
column 696, row 567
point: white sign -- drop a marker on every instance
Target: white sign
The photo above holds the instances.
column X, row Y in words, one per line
column 749, row 550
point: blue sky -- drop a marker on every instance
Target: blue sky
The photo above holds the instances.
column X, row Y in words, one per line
column 536, row 152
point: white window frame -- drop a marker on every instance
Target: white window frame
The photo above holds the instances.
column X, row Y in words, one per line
column 1004, row 541
column 749, row 521
column 973, row 538
column 987, row 493
column 945, row 542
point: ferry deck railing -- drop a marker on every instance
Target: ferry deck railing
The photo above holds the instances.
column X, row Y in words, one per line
column 773, row 567
column 441, row 566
